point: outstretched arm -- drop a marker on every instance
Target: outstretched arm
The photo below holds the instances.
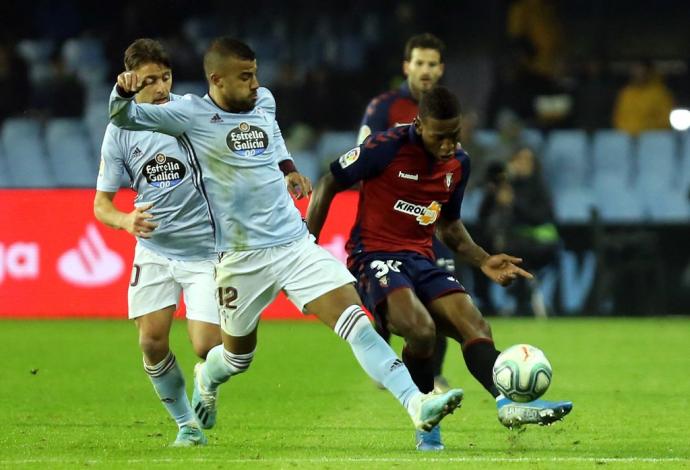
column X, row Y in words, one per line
column 501, row 268
column 172, row 118
column 320, row 202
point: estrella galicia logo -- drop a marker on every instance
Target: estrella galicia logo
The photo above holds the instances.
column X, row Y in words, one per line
column 247, row 140
column 163, row 171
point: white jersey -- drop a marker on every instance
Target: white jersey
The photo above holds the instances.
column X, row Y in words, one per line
column 238, row 154
column 160, row 173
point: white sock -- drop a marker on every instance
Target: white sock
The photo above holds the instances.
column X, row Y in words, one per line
column 168, row 382
column 375, row 355
column 220, row 365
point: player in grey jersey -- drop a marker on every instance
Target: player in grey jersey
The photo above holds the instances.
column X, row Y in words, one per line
column 233, row 135
column 175, row 244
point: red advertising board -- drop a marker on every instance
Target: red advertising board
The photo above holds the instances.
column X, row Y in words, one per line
column 56, row 260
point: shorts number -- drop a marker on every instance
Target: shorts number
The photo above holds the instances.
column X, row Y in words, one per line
column 226, row 296
column 134, row 278
column 383, row 267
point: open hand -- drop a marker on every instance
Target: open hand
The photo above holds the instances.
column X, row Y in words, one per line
column 503, row 269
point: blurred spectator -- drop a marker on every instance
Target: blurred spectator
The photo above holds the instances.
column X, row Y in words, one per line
column 509, row 127
column 538, row 22
column 644, row 103
column 517, row 85
column 516, row 216
column 61, row 94
column 594, row 96
column 14, row 83
column 479, row 155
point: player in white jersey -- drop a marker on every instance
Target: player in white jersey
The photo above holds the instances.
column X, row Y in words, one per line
column 265, row 247
column 175, row 246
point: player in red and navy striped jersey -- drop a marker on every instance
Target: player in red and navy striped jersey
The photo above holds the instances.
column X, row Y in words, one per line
column 423, row 67
column 413, row 179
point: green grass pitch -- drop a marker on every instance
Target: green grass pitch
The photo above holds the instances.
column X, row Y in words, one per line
column 73, row 395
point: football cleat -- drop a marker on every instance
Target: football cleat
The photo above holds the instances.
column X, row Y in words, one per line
column 513, row 415
column 203, row 401
column 190, row 436
column 433, row 407
column 429, row 441
column 441, row 385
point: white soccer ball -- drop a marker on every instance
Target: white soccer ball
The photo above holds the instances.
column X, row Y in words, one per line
column 522, row 373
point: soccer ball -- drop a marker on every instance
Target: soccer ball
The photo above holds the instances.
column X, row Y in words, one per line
column 522, row 373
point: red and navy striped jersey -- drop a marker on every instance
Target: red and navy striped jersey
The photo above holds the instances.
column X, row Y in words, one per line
column 404, row 191
column 391, row 109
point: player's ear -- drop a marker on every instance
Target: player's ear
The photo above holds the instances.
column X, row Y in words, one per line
column 417, row 125
column 214, row 79
column 406, row 67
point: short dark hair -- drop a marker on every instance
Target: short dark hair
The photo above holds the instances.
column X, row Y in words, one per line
column 424, row 41
column 439, row 103
column 145, row 51
column 226, row 46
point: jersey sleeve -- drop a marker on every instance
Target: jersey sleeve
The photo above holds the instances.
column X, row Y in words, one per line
column 376, row 115
column 451, row 210
column 172, row 118
column 112, row 163
column 366, row 160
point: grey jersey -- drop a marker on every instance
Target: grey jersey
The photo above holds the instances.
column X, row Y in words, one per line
column 238, row 155
column 160, row 173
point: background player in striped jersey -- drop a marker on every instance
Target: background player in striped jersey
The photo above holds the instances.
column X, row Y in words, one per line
column 233, row 135
column 413, row 178
column 175, row 246
column 423, row 67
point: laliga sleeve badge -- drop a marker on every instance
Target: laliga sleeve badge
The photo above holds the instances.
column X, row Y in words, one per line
column 349, row 158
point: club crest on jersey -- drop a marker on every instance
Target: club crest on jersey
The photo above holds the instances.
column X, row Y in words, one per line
column 349, row 158
column 247, row 140
column 449, row 180
column 163, row 171
column 425, row 215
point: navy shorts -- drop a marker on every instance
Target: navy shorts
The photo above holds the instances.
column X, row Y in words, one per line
column 379, row 274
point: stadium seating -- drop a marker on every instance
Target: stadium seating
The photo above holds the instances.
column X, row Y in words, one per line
column 70, row 154
column 566, row 160
column 657, row 165
column 96, row 120
column 685, row 161
column 5, row 181
column 574, row 205
column 36, row 53
column 618, row 204
column 86, row 58
column 669, row 206
column 25, row 154
column 612, row 158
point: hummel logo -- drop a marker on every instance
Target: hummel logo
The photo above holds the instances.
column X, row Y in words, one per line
column 137, row 152
column 408, row 176
column 216, row 118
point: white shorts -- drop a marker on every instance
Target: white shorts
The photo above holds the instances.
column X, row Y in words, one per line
column 156, row 282
column 250, row 280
